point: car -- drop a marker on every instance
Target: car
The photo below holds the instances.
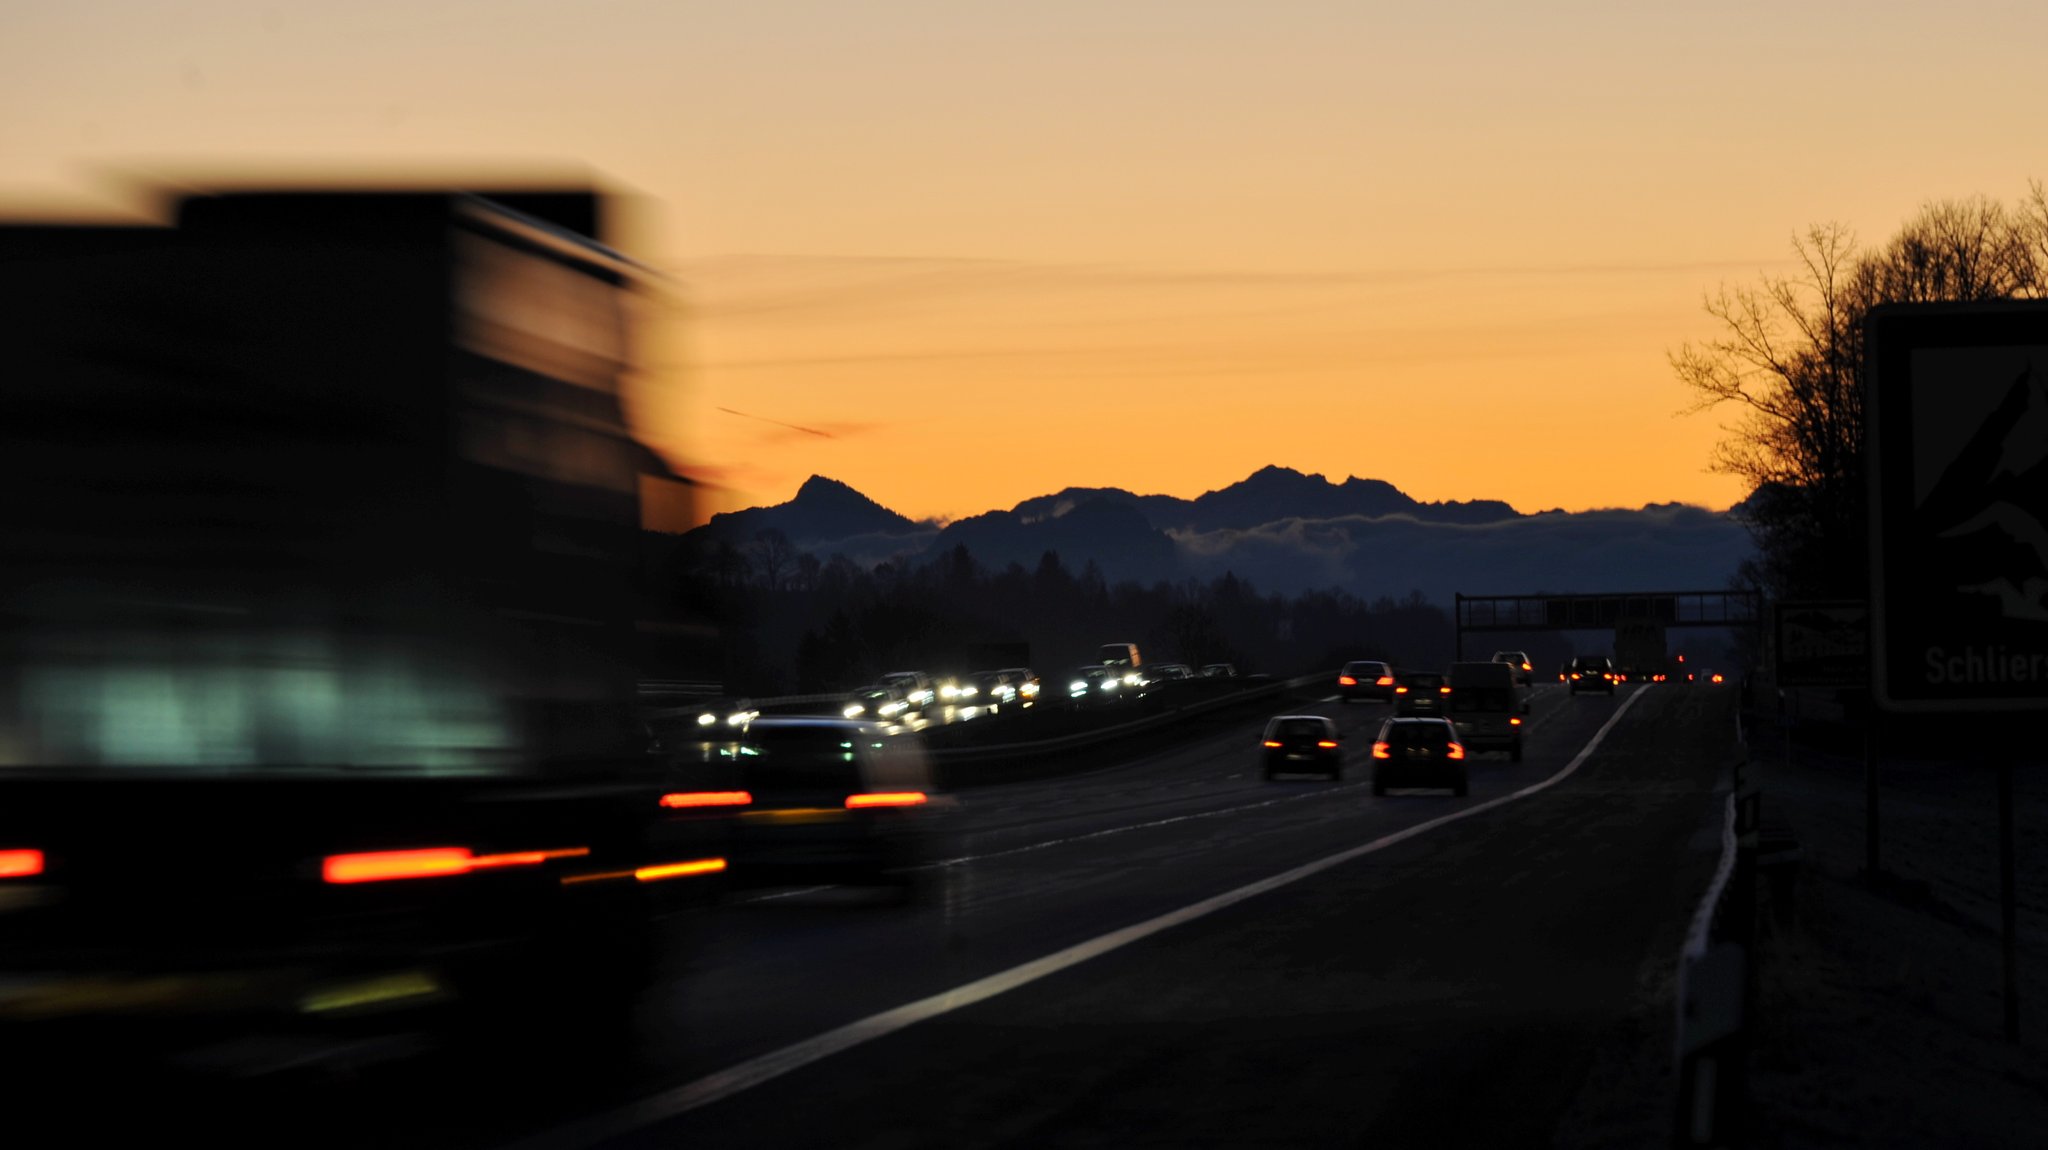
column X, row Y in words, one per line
column 1095, row 685
column 814, row 799
column 1301, row 744
column 917, row 687
column 1166, row 672
column 1219, row 670
column 1487, row 707
column 1419, row 752
column 1024, row 681
column 1590, row 673
column 875, row 703
column 1365, row 679
column 1525, row 671
column 1420, row 692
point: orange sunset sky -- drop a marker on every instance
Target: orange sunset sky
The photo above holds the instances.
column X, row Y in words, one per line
column 957, row 254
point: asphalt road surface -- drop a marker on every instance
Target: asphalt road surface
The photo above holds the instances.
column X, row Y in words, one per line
column 1165, row 951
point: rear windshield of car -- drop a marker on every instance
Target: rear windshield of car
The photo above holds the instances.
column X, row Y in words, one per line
column 1299, row 729
column 1481, row 699
column 1417, row 734
column 1428, row 680
column 1589, row 664
column 1364, row 668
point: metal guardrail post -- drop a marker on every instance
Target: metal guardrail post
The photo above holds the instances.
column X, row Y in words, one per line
column 1715, row 1001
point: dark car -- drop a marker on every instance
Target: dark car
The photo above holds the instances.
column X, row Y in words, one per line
column 1302, row 744
column 1590, row 673
column 1219, row 670
column 811, row 799
column 1525, row 671
column 1421, row 693
column 1418, row 752
column 1365, row 679
column 1095, row 685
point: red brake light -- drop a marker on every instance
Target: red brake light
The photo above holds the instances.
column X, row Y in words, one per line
column 1274, row 743
column 21, row 863
column 1575, row 674
column 1326, row 744
column 1443, row 690
column 678, row 869
column 1380, row 751
column 428, row 862
column 680, row 799
column 1717, row 678
column 1383, row 681
column 1457, row 751
column 885, row 799
column 1346, row 681
column 1526, row 667
column 1400, row 690
column 1513, row 722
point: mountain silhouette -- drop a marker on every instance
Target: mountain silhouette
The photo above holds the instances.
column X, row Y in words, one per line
column 1267, row 495
column 824, row 510
column 1285, row 532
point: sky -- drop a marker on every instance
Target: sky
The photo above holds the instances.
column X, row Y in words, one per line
column 959, row 254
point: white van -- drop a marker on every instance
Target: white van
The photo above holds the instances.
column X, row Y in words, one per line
column 1487, row 706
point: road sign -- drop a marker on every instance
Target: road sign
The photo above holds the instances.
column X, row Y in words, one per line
column 1822, row 642
column 1957, row 435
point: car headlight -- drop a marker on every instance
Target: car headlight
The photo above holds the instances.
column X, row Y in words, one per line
column 706, row 719
column 852, row 710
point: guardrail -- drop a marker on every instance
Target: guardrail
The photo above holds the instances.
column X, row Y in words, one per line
column 1716, row 980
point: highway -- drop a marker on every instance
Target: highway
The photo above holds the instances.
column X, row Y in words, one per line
column 1167, row 951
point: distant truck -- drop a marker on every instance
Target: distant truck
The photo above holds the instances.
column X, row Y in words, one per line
column 1487, row 706
column 317, row 677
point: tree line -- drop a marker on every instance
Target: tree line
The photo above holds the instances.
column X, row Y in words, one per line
column 790, row 622
column 1788, row 358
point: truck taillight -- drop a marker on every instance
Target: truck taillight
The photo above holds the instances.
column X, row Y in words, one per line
column 428, row 862
column 678, row 800
column 21, row 862
column 885, row 799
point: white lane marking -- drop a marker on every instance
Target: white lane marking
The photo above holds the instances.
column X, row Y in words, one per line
column 802, row 890
column 1108, row 831
column 776, row 1063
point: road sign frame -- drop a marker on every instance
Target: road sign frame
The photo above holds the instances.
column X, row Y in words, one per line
column 1787, row 673
column 1893, row 334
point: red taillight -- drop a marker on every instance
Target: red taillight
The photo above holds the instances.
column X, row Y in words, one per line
column 1443, row 690
column 885, row 799
column 1346, row 681
column 428, row 862
column 1457, row 751
column 1383, row 681
column 1513, row 722
column 1380, row 751
column 1326, row 744
column 681, row 799
column 1575, row 674
column 21, row 862
column 1717, row 678
column 1400, row 690
column 1526, row 667
column 1274, row 743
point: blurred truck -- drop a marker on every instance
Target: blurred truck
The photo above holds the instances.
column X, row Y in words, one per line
column 318, row 619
